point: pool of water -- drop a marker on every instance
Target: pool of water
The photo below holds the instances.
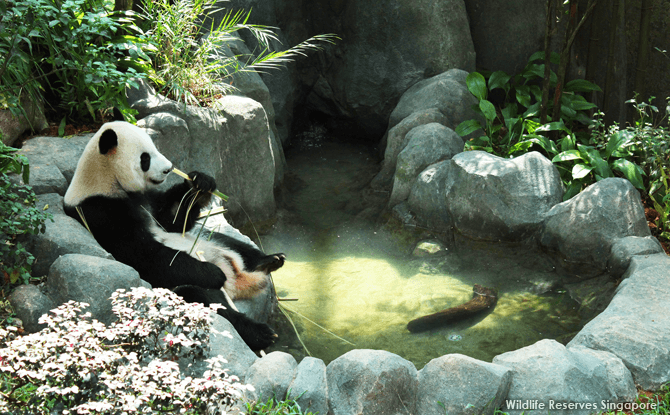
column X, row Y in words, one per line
column 360, row 281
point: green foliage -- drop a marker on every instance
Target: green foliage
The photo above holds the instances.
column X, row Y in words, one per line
column 75, row 50
column 651, row 137
column 581, row 158
column 188, row 53
column 512, row 130
column 18, row 216
column 274, row 407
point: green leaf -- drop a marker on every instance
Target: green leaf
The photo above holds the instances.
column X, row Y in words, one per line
column 468, row 127
column 567, row 155
column 509, row 111
column 499, row 79
column 579, row 105
column 554, row 126
column 630, row 171
column 581, row 85
column 581, row 170
column 488, row 109
column 523, row 95
column 476, row 85
column 61, row 127
column 618, row 142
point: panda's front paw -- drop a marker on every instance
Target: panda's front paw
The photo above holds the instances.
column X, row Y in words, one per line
column 203, row 182
column 258, row 336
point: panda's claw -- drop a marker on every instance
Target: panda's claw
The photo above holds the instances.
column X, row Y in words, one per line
column 271, row 263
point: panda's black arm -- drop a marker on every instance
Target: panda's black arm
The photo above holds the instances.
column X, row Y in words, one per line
column 121, row 228
column 176, row 206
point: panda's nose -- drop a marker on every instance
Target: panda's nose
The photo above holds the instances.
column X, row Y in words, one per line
column 167, row 171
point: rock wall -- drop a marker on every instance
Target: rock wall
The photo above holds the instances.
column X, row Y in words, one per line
column 386, row 47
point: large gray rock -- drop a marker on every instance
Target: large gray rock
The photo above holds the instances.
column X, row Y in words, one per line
column 549, row 373
column 231, row 142
column 447, row 92
column 427, row 197
column 310, row 387
column 426, row 144
column 224, row 342
column 582, row 230
column 371, row 382
column 92, row 280
column 29, row 304
column 464, row 386
column 505, row 34
column 62, row 153
column 395, row 142
column 636, row 324
column 271, row 376
column 12, row 126
column 363, row 75
column 624, row 249
column 62, row 236
column 491, row 198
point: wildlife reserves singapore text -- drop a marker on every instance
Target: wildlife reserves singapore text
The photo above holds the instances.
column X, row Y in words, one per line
column 604, row 405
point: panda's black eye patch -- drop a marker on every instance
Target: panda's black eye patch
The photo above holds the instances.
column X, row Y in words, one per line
column 145, row 161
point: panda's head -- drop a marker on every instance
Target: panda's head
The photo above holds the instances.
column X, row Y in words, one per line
column 120, row 158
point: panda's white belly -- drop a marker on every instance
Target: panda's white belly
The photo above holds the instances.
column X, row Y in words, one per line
column 239, row 284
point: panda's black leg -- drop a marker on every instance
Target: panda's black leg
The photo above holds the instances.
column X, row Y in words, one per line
column 257, row 336
column 270, row 263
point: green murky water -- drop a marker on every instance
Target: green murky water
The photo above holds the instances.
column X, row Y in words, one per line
column 361, row 282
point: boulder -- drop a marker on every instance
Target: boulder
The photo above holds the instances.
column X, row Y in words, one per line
column 231, row 142
column 13, row 126
column 427, row 197
column 624, row 249
column 551, row 374
column 496, row 199
column 460, row 385
column 29, row 304
column 361, row 77
column 636, row 324
column 426, row 144
column 447, row 92
column 61, row 152
column 395, row 142
column 371, row 382
column 310, row 387
column 62, row 236
column 224, row 342
column 91, row 280
column 271, row 376
column 582, row 230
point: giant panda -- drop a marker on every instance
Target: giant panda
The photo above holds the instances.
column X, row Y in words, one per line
column 115, row 189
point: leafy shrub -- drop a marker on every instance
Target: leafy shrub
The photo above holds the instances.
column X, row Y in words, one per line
column 76, row 49
column 651, row 147
column 18, row 216
column 79, row 365
column 187, row 51
column 511, row 130
column 274, row 407
column 581, row 157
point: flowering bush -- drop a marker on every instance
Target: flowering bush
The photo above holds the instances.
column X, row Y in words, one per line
column 79, row 365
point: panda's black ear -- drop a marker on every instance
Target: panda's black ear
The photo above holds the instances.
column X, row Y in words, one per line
column 118, row 115
column 108, row 141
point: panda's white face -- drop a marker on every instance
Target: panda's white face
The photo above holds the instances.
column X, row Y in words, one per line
column 120, row 158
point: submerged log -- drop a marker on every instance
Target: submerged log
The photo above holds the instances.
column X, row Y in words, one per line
column 483, row 299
